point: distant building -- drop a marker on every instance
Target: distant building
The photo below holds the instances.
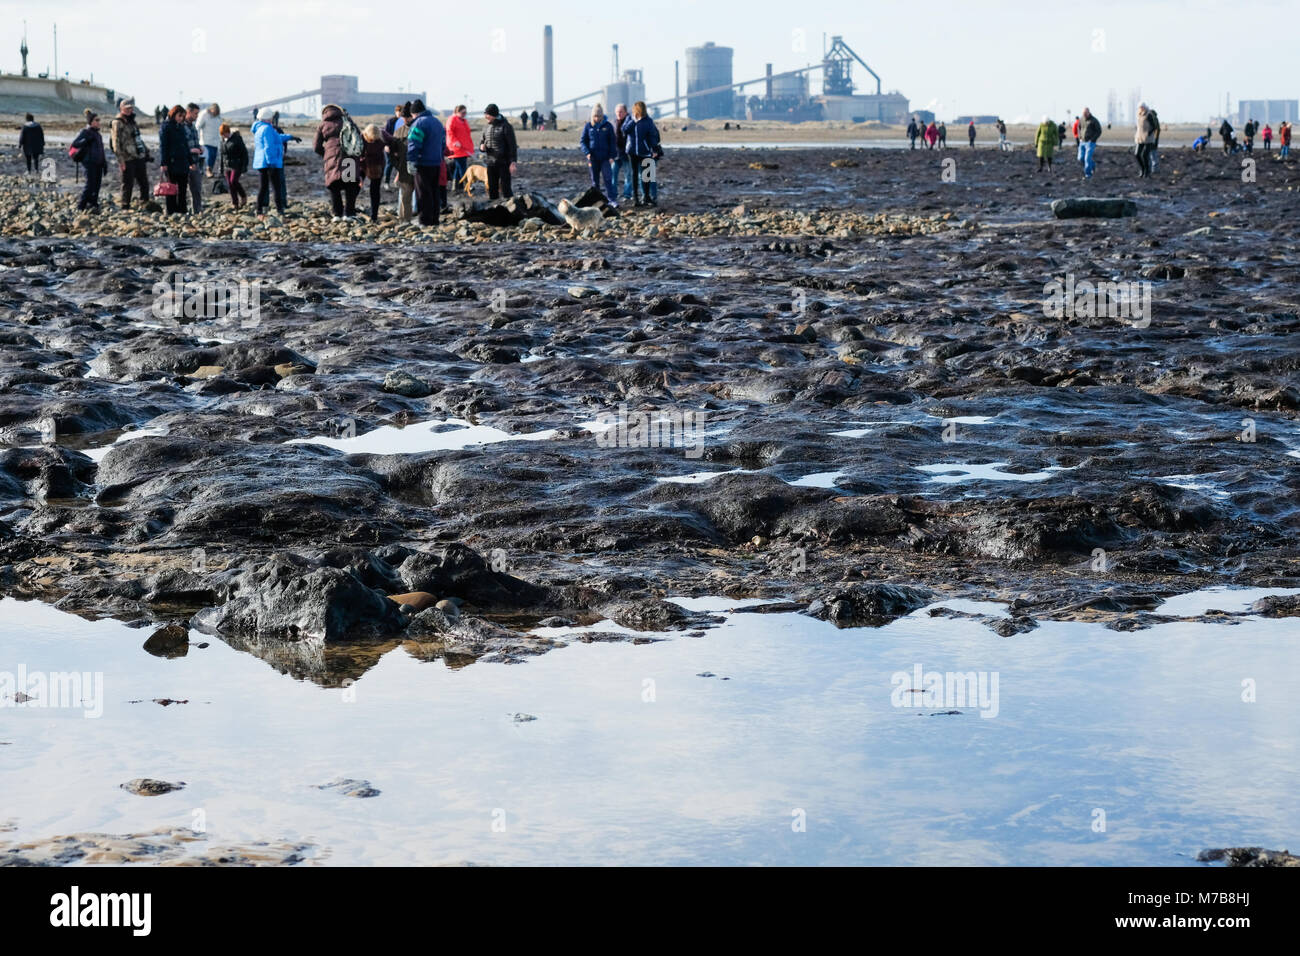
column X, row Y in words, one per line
column 342, row 91
column 890, row 108
column 988, row 119
column 1267, row 111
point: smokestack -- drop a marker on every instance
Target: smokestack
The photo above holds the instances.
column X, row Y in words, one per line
column 548, row 67
column 769, row 82
column 677, row 88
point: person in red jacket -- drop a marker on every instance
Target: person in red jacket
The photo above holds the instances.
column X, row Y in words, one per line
column 1268, row 138
column 460, row 140
column 931, row 135
column 1284, row 139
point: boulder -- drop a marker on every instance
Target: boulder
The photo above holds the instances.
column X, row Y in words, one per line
column 867, row 605
column 1093, row 208
column 288, row 599
column 461, row 572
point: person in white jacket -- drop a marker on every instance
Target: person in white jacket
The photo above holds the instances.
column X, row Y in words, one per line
column 209, row 126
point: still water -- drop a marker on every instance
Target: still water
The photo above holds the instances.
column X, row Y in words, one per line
column 792, row 751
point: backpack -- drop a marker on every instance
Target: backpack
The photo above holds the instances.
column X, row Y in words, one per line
column 350, row 138
column 77, row 151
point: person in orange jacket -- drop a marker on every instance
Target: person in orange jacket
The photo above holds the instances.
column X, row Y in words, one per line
column 460, row 140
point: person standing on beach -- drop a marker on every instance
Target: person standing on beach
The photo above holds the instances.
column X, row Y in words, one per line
column 970, row 132
column 1225, row 133
column 389, row 126
column 1248, row 135
column 1088, row 148
column 642, row 146
column 600, row 146
column 373, row 160
column 1268, row 138
column 943, row 135
column 1075, row 129
column 460, row 139
column 196, row 154
column 1045, row 142
column 1284, row 139
column 523, row 120
column 405, row 179
column 1002, row 135
column 913, row 131
column 537, row 120
column 175, row 158
column 342, row 171
column 127, row 143
column 621, row 161
column 209, row 126
column 500, row 152
column 1144, row 138
column 1153, row 155
column 425, row 145
column 268, row 160
column 89, row 147
column 31, row 142
column 234, row 159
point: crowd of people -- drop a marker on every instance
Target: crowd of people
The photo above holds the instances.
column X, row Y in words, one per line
column 414, row 154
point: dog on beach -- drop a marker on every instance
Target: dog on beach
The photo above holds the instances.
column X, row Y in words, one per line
column 473, row 174
column 580, row 218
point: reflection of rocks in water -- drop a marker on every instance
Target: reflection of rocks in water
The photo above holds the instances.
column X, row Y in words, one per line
column 164, row 847
column 361, row 789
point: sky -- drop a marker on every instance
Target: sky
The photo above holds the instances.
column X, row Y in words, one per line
column 1015, row 58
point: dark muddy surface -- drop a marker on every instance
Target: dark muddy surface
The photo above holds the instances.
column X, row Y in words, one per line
column 882, row 404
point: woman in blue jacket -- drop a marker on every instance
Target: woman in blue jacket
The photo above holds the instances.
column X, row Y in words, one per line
column 642, row 146
column 268, row 160
column 600, row 146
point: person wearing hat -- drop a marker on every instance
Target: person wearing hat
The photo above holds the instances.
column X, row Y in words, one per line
column 127, row 143
column 500, row 152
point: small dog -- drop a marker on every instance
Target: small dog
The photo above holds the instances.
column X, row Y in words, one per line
column 473, row 174
column 580, row 218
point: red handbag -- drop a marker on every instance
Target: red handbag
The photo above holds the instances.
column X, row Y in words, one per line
column 165, row 186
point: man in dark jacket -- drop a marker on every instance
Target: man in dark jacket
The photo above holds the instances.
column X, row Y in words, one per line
column 424, row 149
column 32, row 142
column 1229, row 142
column 523, row 120
column 1091, row 133
column 89, row 146
column 132, row 157
column 500, row 154
column 912, row 132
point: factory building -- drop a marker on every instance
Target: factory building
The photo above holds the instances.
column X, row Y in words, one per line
column 1267, row 111
column 627, row 90
column 342, row 91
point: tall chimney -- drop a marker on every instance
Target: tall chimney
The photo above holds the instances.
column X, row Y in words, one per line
column 548, row 67
column 677, row 88
column 769, row 81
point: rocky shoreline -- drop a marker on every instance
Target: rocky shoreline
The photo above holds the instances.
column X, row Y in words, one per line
column 890, row 411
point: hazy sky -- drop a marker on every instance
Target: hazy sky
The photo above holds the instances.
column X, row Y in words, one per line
column 1013, row 57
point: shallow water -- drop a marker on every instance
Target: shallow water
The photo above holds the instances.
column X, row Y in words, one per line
column 449, row 435
column 635, row 758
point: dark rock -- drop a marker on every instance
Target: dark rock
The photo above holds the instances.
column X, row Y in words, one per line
column 288, row 599
column 146, row 787
column 170, row 641
column 1093, row 208
column 1248, row 856
column 867, row 605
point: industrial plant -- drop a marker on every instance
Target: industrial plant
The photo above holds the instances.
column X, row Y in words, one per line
column 712, row 92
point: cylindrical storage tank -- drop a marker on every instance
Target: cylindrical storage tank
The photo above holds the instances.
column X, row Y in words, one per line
column 616, row 93
column 790, row 87
column 707, row 67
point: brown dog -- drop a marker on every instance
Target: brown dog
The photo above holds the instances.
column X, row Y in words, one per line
column 473, row 174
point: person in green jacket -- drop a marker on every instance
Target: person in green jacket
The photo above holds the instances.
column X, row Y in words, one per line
column 1045, row 141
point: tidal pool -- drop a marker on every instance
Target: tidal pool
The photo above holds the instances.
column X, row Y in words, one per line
column 770, row 739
